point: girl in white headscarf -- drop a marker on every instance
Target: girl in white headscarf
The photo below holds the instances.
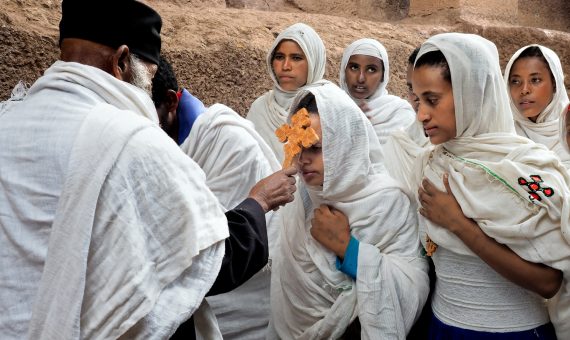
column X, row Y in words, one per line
column 500, row 216
column 382, row 278
column 535, row 80
column 296, row 59
column 364, row 75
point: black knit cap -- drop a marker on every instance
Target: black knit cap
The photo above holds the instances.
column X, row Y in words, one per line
column 113, row 23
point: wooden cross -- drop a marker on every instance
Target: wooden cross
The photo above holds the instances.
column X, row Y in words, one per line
column 298, row 134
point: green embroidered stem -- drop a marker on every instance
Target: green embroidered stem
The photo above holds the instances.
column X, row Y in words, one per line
column 493, row 174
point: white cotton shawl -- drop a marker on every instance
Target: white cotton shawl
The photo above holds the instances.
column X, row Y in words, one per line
column 119, row 261
column 310, row 298
column 235, row 157
column 546, row 128
column 269, row 111
column 387, row 113
column 485, row 162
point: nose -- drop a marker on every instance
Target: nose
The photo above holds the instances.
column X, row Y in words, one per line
column 287, row 64
column 302, row 159
column 422, row 113
column 525, row 89
column 361, row 77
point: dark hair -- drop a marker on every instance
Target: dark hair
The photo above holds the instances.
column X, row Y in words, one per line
column 310, row 103
column 436, row 59
column 163, row 80
column 413, row 56
column 535, row 52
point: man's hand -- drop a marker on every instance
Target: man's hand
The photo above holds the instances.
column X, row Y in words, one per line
column 330, row 227
column 275, row 190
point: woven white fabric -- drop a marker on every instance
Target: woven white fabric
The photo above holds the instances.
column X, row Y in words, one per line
column 546, row 129
column 486, row 161
column 269, row 111
column 310, row 298
column 106, row 259
column 234, row 158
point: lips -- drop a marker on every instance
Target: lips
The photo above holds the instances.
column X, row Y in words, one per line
column 525, row 103
column 430, row 130
column 360, row 89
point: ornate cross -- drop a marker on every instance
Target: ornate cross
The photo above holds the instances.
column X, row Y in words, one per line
column 298, row 134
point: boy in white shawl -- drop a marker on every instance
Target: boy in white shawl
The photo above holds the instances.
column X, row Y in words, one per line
column 234, row 158
column 296, row 59
column 498, row 190
column 535, row 80
column 364, row 75
column 386, row 282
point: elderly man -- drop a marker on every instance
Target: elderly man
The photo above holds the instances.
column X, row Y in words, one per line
column 107, row 229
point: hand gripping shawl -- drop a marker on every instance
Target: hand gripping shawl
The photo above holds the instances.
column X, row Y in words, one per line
column 269, row 111
column 119, row 261
column 546, row 128
column 516, row 190
column 310, row 298
column 387, row 113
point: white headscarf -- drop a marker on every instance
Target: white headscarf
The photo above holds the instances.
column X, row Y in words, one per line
column 269, row 111
column 310, row 298
column 488, row 164
column 546, row 128
column 387, row 113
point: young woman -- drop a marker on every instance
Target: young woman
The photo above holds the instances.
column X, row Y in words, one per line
column 296, row 59
column 535, row 81
column 495, row 204
column 364, row 75
column 349, row 254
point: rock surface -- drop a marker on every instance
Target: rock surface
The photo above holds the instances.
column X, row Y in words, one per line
column 218, row 48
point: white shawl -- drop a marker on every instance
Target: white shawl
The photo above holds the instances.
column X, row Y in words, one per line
column 487, row 162
column 546, row 128
column 137, row 238
column 235, row 157
column 387, row 113
column 310, row 298
column 269, row 111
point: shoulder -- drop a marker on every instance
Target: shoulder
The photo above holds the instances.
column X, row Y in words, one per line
column 258, row 105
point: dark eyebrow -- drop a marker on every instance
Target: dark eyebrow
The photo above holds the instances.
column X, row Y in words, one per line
column 430, row 93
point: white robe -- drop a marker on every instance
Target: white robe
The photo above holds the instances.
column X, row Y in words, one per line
column 485, row 163
column 234, row 158
column 310, row 298
column 546, row 128
column 269, row 111
column 386, row 112
column 106, row 254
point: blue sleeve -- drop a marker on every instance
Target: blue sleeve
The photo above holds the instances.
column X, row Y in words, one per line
column 350, row 264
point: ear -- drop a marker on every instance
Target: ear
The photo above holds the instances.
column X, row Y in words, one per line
column 120, row 62
column 171, row 100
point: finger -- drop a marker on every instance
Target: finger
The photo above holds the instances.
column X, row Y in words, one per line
column 427, row 186
column 335, row 212
column 422, row 212
column 325, row 209
column 291, row 180
column 290, row 171
column 446, row 183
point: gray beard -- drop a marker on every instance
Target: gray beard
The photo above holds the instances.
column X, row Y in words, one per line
column 140, row 76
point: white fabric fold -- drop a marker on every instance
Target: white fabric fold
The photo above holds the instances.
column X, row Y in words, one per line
column 486, row 163
column 269, row 111
column 137, row 237
column 310, row 298
column 234, row 158
column 546, row 129
column 386, row 112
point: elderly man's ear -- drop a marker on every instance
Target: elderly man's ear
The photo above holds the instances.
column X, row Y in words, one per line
column 121, row 63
